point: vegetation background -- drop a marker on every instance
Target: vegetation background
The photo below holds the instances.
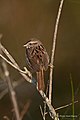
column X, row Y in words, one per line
column 22, row 20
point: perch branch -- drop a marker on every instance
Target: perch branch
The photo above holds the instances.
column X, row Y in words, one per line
column 44, row 115
column 44, row 112
column 17, row 68
column 54, row 46
column 51, row 109
column 14, row 64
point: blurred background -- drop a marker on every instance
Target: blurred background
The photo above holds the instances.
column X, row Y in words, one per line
column 21, row 20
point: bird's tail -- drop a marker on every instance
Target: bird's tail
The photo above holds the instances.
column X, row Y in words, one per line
column 40, row 79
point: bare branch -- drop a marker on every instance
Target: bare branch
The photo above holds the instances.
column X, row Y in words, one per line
column 5, row 91
column 10, row 87
column 25, row 109
column 41, row 112
column 51, row 109
column 44, row 112
column 14, row 64
column 12, row 92
column 17, row 68
column 53, row 47
column 64, row 106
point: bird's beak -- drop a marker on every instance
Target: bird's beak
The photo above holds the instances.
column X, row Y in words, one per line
column 24, row 45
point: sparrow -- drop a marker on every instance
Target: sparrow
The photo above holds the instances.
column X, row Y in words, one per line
column 37, row 60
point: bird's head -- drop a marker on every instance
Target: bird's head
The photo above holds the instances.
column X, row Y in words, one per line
column 31, row 42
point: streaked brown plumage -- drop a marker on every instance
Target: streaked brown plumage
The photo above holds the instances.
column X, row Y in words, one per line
column 37, row 59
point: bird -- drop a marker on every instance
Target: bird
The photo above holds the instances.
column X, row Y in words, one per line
column 37, row 60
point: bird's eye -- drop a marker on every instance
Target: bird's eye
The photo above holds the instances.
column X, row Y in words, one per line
column 30, row 44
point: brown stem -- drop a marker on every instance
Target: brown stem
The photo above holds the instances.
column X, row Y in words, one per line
column 53, row 48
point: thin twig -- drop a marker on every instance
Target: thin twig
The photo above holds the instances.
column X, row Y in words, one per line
column 75, row 94
column 25, row 109
column 5, row 91
column 21, row 71
column 10, row 87
column 53, row 47
column 8, row 55
column 14, row 64
column 64, row 106
column 12, row 92
column 44, row 115
column 44, row 112
column 41, row 112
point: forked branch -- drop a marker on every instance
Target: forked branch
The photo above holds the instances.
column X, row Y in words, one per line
column 26, row 77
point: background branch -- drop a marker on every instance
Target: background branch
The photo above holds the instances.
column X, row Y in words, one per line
column 5, row 91
column 64, row 106
column 11, row 90
column 25, row 108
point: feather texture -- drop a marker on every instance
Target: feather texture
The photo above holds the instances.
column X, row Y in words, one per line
column 37, row 59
